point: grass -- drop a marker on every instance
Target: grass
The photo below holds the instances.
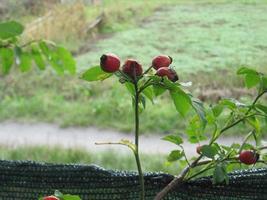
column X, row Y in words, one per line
column 207, row 40
column 107, row 159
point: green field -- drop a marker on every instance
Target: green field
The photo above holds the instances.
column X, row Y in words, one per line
column 208, row 41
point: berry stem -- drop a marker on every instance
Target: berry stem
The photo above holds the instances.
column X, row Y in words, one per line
column 136, row 112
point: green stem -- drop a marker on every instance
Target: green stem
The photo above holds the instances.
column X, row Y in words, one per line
column 140, row 172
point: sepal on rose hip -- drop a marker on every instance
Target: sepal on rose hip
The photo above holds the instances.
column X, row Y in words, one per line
column 132, row 68
column 248, row 157
column 161, row 61
column 109, row 63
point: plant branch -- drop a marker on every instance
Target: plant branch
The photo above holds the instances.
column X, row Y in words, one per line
column 147, row 70
column 245, row 140
column 177, row 181
column 137, row 158
column 255, row 101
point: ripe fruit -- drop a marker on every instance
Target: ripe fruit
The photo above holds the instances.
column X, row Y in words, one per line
column 110, row 63
column 51, row 198
column 248, row 157
column 170, row 73
column 198, row 149
column 132, row 67
column 161, row 61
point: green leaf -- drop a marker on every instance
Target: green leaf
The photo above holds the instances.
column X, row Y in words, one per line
column 130, row 87
column 175, row 155
column 10, row 29
column 219, row 174
column 264, row 82
column 255, row 123
column 217, row 110
column 95, row 74
column 143, row 101
column 67, row 59
column 7, row 59
column 158, row 90
column 200, row 110
column 181, row 101
column 246, row 70
column 252, row 80
column 38, row 58
column 25, row 62
column 58, row 194
column 176, row 139
column 70, row 197
column 45, row 50
column 149, row 93
column 231, row 103
column 208, row 151
column 261, row 107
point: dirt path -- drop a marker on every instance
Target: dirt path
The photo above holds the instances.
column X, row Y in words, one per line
column 17, row 134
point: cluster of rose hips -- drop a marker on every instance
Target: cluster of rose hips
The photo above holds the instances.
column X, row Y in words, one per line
column 247, row 157
column 110, row 63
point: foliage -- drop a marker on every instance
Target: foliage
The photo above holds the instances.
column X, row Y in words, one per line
column 148, row 86
column 41, row 52
column 213, row 156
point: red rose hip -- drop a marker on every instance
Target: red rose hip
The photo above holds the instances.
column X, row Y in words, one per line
column 132, row 68
column 161, row 61
column 170, row 73
column 109, row 63
column 51, row 198
column 248, row 157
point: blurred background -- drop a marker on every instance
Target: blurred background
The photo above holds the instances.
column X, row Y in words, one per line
column 53, row 118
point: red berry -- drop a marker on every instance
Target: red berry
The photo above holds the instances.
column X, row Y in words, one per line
column 132, row 67
column 198, row 149
column 248, row 157
column 161, row 61
column 51, row 198
column 170, row 73
column 109, row 63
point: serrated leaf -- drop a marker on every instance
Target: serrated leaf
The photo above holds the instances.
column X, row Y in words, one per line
column 173, row 139
column 255, row 123
column 208, row 151
column 158, row 90
column 175, row 155
column 200, row 110
column 70, row 197
column 252, row 80
column 148, row 92
column 261, row 107
column 67, row 60
column 95, row 74
column 25, row 62
column 246, row 70
column 58, row 194
column 130, row 87
column 181, row 101
column 143, row 101
column 38, row 58
column 10, row 29
column 219, row 174
column 217, row 110
column 7, row 59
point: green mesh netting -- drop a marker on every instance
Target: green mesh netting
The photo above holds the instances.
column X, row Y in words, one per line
column 25, row 180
